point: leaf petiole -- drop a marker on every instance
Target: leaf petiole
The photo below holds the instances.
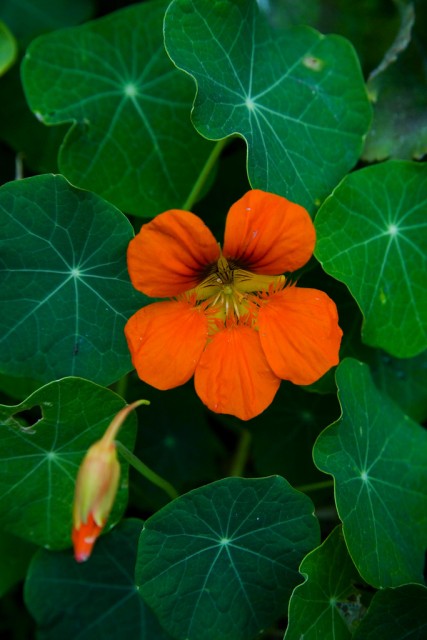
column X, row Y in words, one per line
column 146, row 471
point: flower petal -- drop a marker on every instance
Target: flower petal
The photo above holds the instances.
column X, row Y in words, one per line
column 84, row 538
column 170, row 254
column 299, row 333
column 166, row 340
column 268, row 234
column 233, row 375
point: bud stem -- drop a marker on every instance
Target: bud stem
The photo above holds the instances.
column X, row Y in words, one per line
column 119, row 419
column 146, row 471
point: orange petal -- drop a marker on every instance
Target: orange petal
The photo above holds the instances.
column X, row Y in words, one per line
column 299, row 333
column 268, row 234
column 84, row 538
column 170, row 254
column 233, row 375
column 166, row 340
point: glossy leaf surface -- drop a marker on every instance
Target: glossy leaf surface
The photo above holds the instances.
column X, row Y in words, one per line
column 395, row 614
column 64, row 281
column 371, row 235
column 327, row 604
column 95, row 599
column 231, row 549
column 377, row 457
column 297, row 97
column 39, row 462
column 131, row 140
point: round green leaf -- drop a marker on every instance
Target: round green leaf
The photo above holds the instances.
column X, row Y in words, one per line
column 371, row 235
column 64, row 282
column 327, row 604
column 132, row 140
column 221, row 561
column 396, row 614
column 39, row 463
column 95, row 599
column 297, row 97
column 377, row 456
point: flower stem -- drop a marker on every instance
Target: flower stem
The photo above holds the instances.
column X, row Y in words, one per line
column 242, row 452
column 121, row 386
column 118, row 420
column 315, row 486
column 146, row 471
column 204, row 174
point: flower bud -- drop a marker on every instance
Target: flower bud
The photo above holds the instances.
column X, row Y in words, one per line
column 96, row 487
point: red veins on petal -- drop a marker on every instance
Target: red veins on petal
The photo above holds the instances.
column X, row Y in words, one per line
column 233, row 325
column 299, row 333
column 166, row 340
column 233, row 375
column 169, row 254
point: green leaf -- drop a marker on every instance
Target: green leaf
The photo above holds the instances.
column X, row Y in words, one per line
column 398, row 90
column 8, row 48
column 401, row 41
column 368, row 24
column 29, row 18
column 285, row 13
column 399, row 127
column 297, row 97
column 371, row 235
column 95, row 599
column 221, row 561
column 34, row 143
column 377, row 457
column 15, row 556
column 396, row 614
column 327, row 604
column 18, row 388
column 39, row 463
column 64, row 280
column 131, row 140
column 405, row 381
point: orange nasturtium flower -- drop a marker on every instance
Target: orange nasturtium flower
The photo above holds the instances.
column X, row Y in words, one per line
column 233, row 321
column 96, row 487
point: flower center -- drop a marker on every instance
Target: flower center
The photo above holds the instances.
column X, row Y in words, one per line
column 232, row 293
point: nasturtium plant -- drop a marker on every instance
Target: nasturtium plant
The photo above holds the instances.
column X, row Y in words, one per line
column 56, row 584
column 213, row 328
column 205, row 547
column 396, row 613
column 40, row 460
column 65, row 282
column 399, row 128
column 330, row 598
column 370, row 235
column 376, row 455
column 111, row 78
column 300, row 142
